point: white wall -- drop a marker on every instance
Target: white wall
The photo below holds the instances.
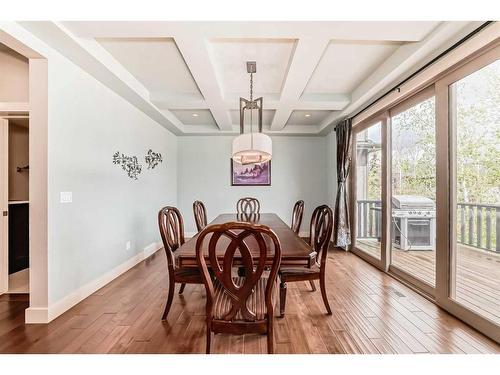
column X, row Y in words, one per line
column 298, row 172
column 87, row 124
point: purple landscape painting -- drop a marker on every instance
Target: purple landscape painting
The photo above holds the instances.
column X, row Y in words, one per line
column 250, row 174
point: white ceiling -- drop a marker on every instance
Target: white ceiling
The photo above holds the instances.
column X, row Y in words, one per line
column 311, row 118
column 346, row 63
column 156, row 63
column 189, row 76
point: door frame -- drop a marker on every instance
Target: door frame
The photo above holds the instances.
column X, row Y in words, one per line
column 479, row 55
column 382, row 262
column 14, row 37
column 4, row 205
column 446, row 192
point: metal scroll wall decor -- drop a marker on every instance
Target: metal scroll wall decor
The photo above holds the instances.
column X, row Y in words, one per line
column 152, row 159
column 130, row 164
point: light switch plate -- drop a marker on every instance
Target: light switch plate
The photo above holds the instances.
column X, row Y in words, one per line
column 66, row 197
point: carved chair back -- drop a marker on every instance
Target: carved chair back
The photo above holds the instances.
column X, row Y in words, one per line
column 200, row 215
column 264, row 244
column 321, row 232
column 298, row 213
column 248, row 205
column 172, row 231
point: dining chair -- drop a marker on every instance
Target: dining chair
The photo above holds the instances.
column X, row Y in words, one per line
column 320, row 234
column 248, row 205
column 239, row 305
column 298, row 212
column 172, row 234
column 200, row 215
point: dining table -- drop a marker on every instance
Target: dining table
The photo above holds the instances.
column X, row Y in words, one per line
column 294, row 250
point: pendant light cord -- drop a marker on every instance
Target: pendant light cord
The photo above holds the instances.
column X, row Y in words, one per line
column 251, row 111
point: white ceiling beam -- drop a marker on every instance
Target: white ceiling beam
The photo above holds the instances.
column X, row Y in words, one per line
column 295, row 130
column 407, row 31
column 306, row 57
column 194, row 49
column 407, row 59
column 98, row 63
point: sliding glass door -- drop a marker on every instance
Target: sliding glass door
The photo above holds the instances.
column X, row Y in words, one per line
column 474, row 122
column 413, row 188
column 426, row 190
column 368, row 190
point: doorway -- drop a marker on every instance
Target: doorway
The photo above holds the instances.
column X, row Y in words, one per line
column 17, row 185
column 24, row 92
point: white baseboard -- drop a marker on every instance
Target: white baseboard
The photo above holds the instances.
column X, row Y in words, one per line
column 46, row 315
column 34, row 315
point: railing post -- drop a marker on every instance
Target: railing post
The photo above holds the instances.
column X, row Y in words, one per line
column 359, row 234
column 470, row 240
column 497, row 229
column 462, row 223
column 479, row 225
column 367, row 217
column 370, row 215
column 488, row 228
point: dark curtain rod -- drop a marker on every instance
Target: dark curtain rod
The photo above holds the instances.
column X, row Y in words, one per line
column 465, row 38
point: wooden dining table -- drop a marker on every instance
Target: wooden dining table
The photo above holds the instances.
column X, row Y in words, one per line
column 294, row 250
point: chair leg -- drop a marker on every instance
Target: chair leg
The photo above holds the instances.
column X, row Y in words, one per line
column 322, row 286
column 209, row 338
column 270, row 337
column 313, row 287
column 171, row 288
column 183, row 285
column 282, row 299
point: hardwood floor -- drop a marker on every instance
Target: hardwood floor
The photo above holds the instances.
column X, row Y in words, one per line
column 477, row 274
column 372, row 313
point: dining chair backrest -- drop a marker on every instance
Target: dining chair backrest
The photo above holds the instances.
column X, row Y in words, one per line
column 321, row 232
column 171, row 231
column 200, row 215
column 255, row 244
column 248, row 205
column 297, row 214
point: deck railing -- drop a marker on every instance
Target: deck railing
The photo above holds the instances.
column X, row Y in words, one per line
column 478, row 225
column 369, row 223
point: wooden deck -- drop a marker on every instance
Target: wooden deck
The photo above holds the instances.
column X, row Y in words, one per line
column 372, row 313
column 478, row 274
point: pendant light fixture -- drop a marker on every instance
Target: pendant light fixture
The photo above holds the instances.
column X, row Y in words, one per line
column 251, row 147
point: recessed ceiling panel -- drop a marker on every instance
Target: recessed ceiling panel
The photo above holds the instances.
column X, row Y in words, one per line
column 229, row 57
column 267, row 117
column 155, row 62
column 345, row 64
column 307, row 117
column 194, row 116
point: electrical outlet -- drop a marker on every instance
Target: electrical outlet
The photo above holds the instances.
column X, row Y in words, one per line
column 128, row 245
column 66, row 197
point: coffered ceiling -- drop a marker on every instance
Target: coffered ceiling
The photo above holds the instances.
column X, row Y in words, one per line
column 188, row 76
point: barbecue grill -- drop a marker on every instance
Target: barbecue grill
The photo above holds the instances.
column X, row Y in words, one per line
column 413, row 222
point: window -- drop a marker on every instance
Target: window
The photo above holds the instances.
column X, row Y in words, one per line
column 369, row 190
column 475, row 117
column 413, row 186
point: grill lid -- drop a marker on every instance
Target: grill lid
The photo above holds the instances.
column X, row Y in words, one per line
column 405, row 202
